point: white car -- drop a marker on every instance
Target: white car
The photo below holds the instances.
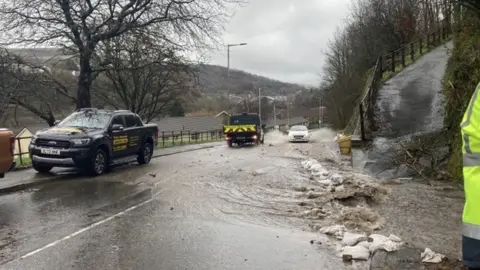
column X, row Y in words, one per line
column 298, row 134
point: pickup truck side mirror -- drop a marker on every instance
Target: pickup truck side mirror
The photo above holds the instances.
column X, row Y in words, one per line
column 116, row 127
column 56, row 122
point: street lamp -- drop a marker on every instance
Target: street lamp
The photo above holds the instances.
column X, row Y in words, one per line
column 228, row 63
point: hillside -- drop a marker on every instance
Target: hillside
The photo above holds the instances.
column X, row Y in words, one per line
column 214, row 80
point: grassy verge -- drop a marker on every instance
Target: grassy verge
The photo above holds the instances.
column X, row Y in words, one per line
column 23, row 162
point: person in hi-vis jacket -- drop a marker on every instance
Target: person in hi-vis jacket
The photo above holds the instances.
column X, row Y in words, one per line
column 470, row 129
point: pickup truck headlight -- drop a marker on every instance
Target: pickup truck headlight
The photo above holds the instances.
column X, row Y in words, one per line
column 80, row 142
column 33, row 140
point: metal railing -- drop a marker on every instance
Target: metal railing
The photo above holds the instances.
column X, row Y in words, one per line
column 21, row 155
column 175, row 138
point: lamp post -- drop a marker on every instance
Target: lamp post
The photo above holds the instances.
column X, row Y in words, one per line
column 228, row 63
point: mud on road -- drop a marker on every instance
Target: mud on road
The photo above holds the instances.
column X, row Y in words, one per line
column 258, row 189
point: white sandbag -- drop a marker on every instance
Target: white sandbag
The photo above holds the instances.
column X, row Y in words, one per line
column 429, row 256
column 351, row 239
column 383, row 242
column 356, row 253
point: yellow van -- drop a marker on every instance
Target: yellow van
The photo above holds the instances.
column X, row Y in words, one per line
column 7, row 145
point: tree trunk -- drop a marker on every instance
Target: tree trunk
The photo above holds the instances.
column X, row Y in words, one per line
column 85, row 80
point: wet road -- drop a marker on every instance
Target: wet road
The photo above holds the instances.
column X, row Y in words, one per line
column 217, row 208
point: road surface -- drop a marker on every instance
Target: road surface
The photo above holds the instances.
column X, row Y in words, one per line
column 216, row 208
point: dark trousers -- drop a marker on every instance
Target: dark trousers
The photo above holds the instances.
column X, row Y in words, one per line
column 471, row 252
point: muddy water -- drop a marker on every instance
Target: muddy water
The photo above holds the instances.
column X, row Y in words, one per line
column 264, row 185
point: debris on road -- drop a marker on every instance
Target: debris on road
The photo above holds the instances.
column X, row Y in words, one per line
column 346, row 198
column 355, row 253
column 351, row 239
column 428, row 256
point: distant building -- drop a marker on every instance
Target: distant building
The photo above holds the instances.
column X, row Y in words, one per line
column 187, row 124
column 311, row 114
column 223, row 117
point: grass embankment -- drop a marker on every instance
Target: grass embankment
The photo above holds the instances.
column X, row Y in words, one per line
column 461, row 78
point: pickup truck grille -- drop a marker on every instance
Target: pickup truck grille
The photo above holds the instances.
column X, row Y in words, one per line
column 57, row 144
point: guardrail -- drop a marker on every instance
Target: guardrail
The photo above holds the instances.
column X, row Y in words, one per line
column 387, row 66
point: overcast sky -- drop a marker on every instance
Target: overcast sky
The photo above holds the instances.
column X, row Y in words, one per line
column 286, row 38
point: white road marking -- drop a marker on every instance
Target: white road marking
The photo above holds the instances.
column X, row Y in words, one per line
column 54, row 243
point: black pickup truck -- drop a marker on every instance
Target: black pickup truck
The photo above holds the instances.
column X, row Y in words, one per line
column 94, row 139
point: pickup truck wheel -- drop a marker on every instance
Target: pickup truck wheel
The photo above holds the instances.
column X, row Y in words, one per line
column 229, row 143
column 145, row 153
column 98, row 164
column 262, row 140
column 41, row 168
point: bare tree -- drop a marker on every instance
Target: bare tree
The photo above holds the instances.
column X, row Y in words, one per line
column 375, row 27
column 80, row 26
column 36, row 88
column 144, row 77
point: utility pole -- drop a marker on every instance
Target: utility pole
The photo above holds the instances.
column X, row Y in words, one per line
column 288, row 113
column 320, row 111
column 274, row 116
column 259, row 103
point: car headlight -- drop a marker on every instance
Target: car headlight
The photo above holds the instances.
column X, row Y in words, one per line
column 80, row 142
column 33, row 140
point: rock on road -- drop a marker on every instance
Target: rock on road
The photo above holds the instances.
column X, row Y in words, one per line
column 216, row 208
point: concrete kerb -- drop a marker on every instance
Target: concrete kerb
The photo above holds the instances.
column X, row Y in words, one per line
column 33, row 183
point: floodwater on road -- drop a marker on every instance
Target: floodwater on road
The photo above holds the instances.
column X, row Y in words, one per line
column 217, row 208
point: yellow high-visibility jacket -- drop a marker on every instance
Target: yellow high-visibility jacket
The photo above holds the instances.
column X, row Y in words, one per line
column 471, row 167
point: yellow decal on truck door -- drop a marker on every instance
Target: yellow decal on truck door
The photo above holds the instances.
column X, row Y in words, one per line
column 120, row 143
column 118, row 140
column 132, row 141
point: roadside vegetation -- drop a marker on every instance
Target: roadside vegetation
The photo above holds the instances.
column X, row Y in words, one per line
column 374, row 28
column 461, row 78
column 66, row 55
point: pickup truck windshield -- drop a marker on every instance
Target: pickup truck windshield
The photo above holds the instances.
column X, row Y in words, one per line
column 95, row 120
column 245, row 120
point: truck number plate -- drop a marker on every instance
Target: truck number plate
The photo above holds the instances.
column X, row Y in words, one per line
column 241, row 138
column 48, row 151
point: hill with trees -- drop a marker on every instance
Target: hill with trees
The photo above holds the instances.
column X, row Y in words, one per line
column 214, row 80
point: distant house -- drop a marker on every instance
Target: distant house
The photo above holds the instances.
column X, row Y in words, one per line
column 186, row 124
column 23, row 136
column 23, row 139
column 223, row 117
